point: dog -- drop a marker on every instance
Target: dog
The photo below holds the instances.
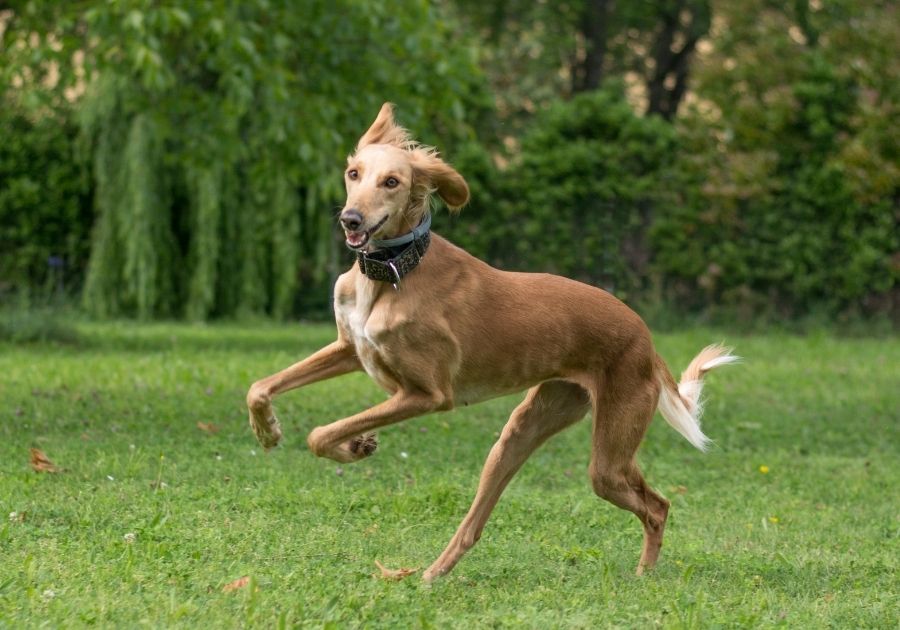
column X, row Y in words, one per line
column 437, row 328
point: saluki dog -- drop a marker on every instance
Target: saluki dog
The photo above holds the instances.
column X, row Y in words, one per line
column 437, row 328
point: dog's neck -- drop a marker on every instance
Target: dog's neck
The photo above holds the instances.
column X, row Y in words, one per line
column 394, row 258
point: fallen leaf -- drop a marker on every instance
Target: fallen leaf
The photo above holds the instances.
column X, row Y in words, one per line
column 208, row 427
column 679, row 489
column 393, row 574
column 40, row 462
column 237, row 584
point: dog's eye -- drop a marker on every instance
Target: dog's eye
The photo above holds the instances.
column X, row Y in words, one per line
column 352, row 173
column 391, row 182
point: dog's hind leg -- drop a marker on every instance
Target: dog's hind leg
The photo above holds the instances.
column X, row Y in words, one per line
column 547, row 409
column 622, row 413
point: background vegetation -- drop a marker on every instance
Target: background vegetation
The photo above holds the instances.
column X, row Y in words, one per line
column 171, row 159
column 160, row 159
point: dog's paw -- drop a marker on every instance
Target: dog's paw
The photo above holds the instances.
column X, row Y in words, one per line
column 363, row 445
column 433, row 573
column 268, row 432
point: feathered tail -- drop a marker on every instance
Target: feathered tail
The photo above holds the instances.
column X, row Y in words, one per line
column 680, row 403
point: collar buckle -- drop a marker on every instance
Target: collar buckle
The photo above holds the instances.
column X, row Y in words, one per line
column 393, row 268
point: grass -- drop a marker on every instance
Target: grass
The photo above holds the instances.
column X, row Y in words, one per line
column 154, row 516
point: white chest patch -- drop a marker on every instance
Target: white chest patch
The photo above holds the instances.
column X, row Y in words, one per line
column 353, row 312
column 358, row 311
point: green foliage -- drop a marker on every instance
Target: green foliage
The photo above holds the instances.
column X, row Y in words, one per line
column 788, row 201
column 218, row 134
column 28, row 324
column 45, row 206
column 205, row 241
column 579, row 195
column 534, row 53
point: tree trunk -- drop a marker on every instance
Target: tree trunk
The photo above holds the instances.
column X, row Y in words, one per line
column 588, row 74
column 657, row 101
column 673, row 66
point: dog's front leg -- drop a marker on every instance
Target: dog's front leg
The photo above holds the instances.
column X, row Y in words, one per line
column 347, row 440
column 333, row 360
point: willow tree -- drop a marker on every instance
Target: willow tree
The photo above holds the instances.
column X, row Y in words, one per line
column 217, row 132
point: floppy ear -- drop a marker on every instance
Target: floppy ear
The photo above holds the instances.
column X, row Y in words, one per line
column 440, row 177
column 384, row 130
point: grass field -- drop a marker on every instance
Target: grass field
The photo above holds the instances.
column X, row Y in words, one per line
column 791, row 520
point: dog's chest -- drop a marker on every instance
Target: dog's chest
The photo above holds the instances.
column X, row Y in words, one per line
column 353, row 311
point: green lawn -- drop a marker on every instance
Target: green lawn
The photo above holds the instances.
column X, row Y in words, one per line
column 153, row 516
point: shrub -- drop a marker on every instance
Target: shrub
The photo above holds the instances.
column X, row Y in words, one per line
column 579, row 196
column 28, row 325
column 45, row 206
column 772, row 219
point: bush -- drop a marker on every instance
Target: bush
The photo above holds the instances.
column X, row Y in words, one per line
column 28, row 325
column 780, row 228
column 578, row 197
column 45, row 204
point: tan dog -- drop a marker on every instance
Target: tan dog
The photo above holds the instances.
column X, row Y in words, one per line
column 453, row 330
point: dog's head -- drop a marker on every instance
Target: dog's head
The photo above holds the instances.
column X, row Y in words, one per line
column 389, row 180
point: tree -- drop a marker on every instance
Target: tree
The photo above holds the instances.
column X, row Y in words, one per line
column 790, row 147
column 539, row 51
column 217, row 133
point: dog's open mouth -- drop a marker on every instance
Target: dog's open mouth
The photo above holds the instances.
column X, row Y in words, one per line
column 357, row 239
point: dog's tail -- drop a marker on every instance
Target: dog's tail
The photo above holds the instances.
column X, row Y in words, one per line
column 680, row 403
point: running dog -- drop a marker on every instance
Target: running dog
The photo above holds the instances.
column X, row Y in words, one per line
column 437, row 328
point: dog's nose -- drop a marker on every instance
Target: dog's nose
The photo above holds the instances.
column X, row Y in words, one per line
column 351, row 219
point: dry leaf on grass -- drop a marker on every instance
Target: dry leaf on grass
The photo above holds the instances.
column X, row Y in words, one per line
column 393, row 574
column 41, row 463
column 237, row 584
column 208, row 427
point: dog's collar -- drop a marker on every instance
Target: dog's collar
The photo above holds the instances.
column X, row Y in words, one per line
column 396, row 257
column 418, row 232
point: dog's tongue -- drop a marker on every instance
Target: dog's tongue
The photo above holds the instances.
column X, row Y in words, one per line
column 356, row 238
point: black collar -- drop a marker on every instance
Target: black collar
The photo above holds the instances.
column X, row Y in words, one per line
column 396, row 257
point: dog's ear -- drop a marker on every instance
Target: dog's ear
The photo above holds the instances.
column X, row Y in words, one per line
column 439, row 176
column 384, row 130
